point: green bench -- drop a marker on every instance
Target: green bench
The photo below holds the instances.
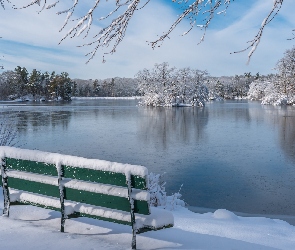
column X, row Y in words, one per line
column 79, row 187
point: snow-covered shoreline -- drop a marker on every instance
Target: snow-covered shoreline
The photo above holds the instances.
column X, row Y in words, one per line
column 108, row 98
column 36, row 228
column 288, row 218
column 75, row 98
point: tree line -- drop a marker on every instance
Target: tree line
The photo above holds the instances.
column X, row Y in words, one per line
column 22, row 85
column 36, row 85
column 161, row 85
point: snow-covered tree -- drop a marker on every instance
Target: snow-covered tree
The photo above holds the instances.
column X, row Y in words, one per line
column 167, row 86
column 278, row 89
column 34, row 83
column 200, row 13
column 21, row 81
column 60, row 87
column 219, row 89
column 11, row 86
column 96, row 87
column 198, row 91
column 230, row 87
column 263, row 89
column 286, row 70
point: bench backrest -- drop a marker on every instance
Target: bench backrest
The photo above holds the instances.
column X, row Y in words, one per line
column 93, row 182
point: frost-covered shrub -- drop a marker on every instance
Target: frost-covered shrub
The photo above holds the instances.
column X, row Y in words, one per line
column 278, row 100
column 174, row 200
column 158, row 196
column 256, row 89
column 157, row 190
column 270, row 99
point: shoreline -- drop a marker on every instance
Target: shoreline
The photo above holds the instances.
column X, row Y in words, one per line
column 288, row 218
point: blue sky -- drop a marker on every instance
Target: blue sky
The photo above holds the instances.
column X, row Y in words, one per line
column 31, row 40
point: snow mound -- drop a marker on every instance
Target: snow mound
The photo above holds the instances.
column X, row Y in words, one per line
column 224, row 214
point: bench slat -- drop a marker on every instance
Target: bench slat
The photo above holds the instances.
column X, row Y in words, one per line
column 118, row 179
column 34, row 187
column 31, row 166
column 101, row 218
column 103, row 200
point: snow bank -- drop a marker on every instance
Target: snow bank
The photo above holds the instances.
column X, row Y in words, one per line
column 74, row 161
column 274, row 233
column 31, row 227
column 224, row 214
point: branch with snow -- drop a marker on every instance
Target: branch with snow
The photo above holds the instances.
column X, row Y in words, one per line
column 253, row 44
column 200, row 13
column 115, row 32
column 205, row 9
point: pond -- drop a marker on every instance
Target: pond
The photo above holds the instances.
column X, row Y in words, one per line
column 236, row 155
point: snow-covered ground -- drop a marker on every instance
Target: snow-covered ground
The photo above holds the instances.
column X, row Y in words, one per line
column 31, row 227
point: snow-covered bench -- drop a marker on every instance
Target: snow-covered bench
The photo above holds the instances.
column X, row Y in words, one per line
column 80, row 187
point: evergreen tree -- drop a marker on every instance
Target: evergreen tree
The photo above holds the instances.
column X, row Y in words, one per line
column 21, row 81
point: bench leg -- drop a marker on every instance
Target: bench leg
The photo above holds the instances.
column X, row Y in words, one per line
column 62, row 224
column 131, row 200
column 5, row 188
column 133, row 244
column 62, row 201
column 62, row 210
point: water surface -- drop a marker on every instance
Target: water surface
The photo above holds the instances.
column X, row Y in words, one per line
column 236, row 155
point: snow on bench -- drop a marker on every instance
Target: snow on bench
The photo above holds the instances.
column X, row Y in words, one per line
column 79, row 187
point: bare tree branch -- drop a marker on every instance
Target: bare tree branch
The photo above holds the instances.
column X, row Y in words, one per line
column 256, row 40
column 206, row 9
column 199, row 13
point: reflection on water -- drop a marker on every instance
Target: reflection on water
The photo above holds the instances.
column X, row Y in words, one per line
column 172, row 125
column 234, row 155
column 281, row 119
column 287, row 133
column 35, row 121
